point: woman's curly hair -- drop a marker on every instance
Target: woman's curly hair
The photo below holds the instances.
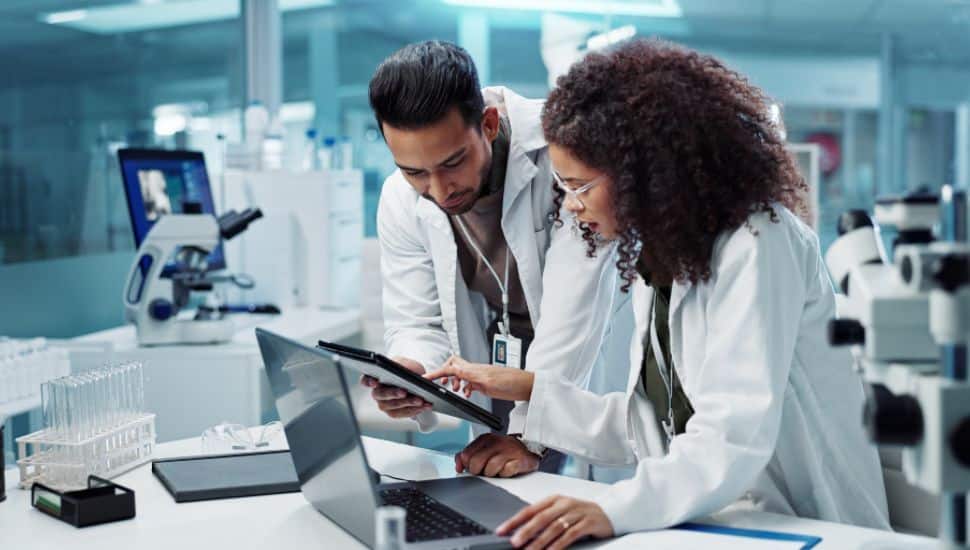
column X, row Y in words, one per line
column 688, row 144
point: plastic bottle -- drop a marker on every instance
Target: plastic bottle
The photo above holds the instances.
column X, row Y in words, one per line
column 326, row 153
column 389, row 528
column 256, row 119
column 272, row 150
column 345, row 153
column 311, row 160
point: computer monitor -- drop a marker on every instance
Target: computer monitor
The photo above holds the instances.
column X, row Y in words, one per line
column 159, row 182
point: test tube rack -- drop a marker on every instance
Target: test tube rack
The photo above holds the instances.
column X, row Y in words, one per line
column 66, row 465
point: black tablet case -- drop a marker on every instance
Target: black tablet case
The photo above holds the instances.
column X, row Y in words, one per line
column 191, row 479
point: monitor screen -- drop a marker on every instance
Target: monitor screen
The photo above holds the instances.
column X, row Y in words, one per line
column 159, row 182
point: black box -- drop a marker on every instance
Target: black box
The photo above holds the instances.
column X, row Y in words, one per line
column 101, row 502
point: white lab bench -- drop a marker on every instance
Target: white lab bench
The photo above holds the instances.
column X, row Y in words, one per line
column 192, row 387
column 288, row 521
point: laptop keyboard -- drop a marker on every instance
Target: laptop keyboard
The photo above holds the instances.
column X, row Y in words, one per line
column 428, row 519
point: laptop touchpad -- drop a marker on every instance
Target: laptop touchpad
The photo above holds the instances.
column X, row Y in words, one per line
column 478, row 499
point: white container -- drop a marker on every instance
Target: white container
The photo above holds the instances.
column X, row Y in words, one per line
column 345, row 154
column 327, row 153
column 256, row 120
column 272, row 152
column 310, row 161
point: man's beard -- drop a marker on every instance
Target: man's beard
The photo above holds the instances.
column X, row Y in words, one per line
column 483, row 191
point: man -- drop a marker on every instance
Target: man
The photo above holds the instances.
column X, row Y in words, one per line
column 471, row 258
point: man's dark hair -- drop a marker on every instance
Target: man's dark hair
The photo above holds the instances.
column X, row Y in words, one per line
column 417, row 86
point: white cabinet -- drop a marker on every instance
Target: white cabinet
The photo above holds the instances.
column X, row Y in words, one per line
column 307, row 249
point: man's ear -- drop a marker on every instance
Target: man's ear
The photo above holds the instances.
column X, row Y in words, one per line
column 490, row 123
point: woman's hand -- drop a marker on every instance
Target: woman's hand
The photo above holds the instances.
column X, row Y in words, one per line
column 556, row 523
column 495, row 382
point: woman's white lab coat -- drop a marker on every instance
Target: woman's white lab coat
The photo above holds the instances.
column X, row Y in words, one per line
column 777, row 416
column 429, row 313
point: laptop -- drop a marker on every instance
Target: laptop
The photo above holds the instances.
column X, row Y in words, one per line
column 314, row 405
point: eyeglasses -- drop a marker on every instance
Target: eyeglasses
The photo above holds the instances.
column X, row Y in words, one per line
column 575, row 193
column 227, row 437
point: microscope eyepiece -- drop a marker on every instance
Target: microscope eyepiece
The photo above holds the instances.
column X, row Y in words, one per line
column 233, row 223
column 853, row 219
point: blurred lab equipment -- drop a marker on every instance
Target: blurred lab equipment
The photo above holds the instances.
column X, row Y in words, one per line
column 180, row 249
column 154, row 298
column 24, row 365
column 327, row 152
column 310, row 160
column 307, row 253
column 908, row 323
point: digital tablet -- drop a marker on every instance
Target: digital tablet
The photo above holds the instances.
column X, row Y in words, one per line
column 388, row 372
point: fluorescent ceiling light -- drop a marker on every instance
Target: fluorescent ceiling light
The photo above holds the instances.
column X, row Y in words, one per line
column 157, row 14
column 603, row 40
column 59, row 17
column 644, row 8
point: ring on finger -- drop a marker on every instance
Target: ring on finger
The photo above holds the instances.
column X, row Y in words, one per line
column 565, row 524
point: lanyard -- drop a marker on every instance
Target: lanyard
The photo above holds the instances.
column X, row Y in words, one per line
column 666, row 371
column 503, row 287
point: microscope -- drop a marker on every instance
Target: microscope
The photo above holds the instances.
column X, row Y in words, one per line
column 156, row 293
column 908, row 323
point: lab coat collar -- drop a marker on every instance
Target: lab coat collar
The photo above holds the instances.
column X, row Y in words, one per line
column 677, row 293
column 524, row 122
column 524, row 117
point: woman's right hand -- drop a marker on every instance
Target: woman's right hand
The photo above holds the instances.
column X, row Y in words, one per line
column 496, row 382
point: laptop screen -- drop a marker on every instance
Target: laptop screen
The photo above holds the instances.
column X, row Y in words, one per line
column 314, row 406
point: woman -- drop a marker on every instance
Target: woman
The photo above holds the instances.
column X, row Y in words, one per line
column 656, row 145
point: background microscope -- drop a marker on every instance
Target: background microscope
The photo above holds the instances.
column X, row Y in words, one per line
column 908, row 322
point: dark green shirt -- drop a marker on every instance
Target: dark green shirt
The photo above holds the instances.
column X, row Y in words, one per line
column 653, row 383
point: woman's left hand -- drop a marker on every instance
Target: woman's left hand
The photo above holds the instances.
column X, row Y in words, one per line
column 556, row 522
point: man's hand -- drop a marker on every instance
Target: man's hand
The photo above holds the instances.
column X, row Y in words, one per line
column 394, row 401
column 495, row 455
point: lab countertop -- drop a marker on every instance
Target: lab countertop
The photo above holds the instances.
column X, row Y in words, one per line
column 288, row 521
column 335, row 324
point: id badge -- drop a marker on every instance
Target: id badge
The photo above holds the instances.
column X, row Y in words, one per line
column 507, row 351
